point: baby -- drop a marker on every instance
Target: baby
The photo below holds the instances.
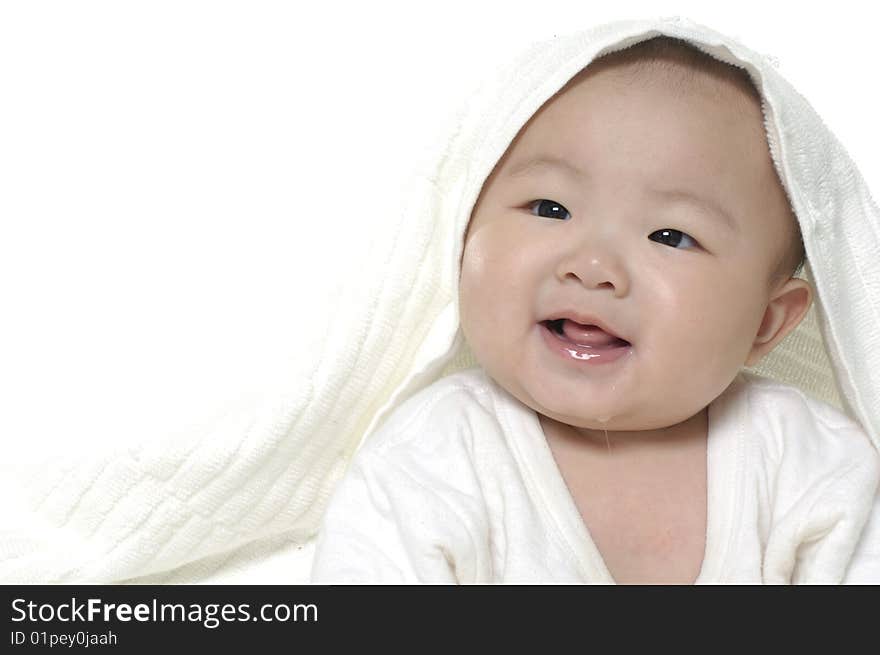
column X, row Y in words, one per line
column 631, row 251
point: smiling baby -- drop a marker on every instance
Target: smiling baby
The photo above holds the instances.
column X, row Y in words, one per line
column 629, row 253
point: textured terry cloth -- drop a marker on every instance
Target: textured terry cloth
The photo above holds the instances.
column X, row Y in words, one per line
column 249, row 491
column 460, row 486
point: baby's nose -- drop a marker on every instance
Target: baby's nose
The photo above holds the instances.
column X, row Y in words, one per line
column 594, row 265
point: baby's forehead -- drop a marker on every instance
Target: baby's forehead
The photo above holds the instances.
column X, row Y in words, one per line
column 675, row 64
column 671, row 69
column 648, row 125
column 642, row 82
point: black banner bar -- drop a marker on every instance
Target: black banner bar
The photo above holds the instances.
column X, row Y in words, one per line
column 130, row 619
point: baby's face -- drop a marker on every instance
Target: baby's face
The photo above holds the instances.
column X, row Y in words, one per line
column 657, row 215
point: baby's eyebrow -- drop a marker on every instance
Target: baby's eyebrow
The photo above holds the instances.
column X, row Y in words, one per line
column 546, row 161
column 708, row 205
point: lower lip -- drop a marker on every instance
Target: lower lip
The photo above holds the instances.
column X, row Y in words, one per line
column 586, row 355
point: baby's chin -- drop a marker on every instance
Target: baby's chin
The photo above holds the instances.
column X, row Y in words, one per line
column 609, row 422
column 613, row 406
column 599, row 421
column 595, row 416
column 614, row 415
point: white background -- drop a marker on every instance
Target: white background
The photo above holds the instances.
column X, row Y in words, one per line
column 180, row 181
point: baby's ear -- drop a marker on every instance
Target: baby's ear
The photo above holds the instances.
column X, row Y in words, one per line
column 787, row 307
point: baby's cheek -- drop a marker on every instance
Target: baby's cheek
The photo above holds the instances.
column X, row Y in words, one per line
column 473, row 263
column 482, row 264
column 469, row 287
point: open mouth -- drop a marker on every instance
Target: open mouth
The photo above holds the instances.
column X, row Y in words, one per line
column 587, row 336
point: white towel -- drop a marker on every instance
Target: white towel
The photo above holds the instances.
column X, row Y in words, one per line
column 243, row 496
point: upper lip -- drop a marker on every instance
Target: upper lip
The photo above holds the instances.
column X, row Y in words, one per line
column 586, row 319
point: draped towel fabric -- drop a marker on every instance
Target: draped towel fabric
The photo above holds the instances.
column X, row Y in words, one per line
column 238, row 501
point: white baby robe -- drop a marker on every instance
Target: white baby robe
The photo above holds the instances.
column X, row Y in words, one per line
column 460, row 486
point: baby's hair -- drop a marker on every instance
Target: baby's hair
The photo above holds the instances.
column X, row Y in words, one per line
column 680, row 66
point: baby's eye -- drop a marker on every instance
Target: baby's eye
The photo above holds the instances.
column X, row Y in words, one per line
column 673, row 238
column 553, row 209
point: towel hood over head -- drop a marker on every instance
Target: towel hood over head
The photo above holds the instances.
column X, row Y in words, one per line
column 269, row 473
